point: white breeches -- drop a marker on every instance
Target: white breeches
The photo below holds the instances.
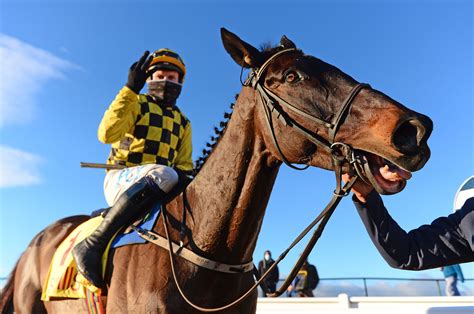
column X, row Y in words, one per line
column 118, row 181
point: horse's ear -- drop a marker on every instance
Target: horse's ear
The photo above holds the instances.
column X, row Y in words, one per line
column 286, row 43
column 243, row 53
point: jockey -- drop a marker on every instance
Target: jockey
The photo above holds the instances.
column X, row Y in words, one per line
column 151, row 137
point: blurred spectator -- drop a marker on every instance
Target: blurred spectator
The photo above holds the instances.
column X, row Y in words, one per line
column 452, row 274
column 305, row 281
column 272, row 279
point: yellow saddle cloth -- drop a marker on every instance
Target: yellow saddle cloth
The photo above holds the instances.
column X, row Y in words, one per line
column 63, row 280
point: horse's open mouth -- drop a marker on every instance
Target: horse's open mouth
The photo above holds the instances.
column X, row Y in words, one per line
column 385, row 176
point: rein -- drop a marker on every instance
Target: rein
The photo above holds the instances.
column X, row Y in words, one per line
column 341, row 153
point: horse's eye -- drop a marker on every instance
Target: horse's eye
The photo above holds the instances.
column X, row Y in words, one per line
column 292, row 77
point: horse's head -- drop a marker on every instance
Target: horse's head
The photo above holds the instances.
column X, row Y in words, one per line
column 319, row 105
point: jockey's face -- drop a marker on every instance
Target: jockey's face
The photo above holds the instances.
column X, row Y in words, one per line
column 170, row 75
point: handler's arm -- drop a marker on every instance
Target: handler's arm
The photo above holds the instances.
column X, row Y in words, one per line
column 447, row 240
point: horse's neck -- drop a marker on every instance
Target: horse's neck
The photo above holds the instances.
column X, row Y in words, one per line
column 229, row 196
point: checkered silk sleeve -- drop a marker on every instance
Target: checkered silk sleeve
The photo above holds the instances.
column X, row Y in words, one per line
column 160, row 135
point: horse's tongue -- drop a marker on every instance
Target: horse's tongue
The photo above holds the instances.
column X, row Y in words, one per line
column 394, row 173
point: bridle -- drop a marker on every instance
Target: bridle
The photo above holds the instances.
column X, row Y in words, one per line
column 273, row 103
column 341, row 154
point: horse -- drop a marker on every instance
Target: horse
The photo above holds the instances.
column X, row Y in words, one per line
column 289, row 105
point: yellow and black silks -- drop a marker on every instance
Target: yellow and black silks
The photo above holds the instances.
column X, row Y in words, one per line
column 143, row 132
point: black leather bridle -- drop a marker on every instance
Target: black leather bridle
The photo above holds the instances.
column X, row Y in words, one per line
column 271, row 102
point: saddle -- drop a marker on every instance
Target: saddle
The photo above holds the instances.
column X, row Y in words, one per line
column 63, row 280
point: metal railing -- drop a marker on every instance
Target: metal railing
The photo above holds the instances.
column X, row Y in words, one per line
column 364, row 281
column 365, row 289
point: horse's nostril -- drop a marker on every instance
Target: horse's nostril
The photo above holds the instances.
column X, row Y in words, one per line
column 408, row 136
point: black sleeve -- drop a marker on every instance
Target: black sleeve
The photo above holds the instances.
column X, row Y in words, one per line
column 260, row 268
column 274, row 275
column 314, row 277
column 447, row 240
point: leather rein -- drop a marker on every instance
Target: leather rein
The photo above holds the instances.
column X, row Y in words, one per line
column 341, row 154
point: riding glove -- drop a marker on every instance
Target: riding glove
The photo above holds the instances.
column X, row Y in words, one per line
column 138, row 73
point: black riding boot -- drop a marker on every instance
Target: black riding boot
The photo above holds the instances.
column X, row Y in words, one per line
column 132, row 204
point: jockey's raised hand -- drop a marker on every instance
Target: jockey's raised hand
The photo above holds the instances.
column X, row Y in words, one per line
column 139, row 72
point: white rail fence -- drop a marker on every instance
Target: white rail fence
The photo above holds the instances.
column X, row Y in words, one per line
column 372, row 296
column 381, row 286
column 343, row 304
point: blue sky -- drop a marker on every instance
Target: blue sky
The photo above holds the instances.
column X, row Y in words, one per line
column 62, row 62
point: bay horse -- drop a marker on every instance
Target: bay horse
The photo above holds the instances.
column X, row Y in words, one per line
column 225, row 203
